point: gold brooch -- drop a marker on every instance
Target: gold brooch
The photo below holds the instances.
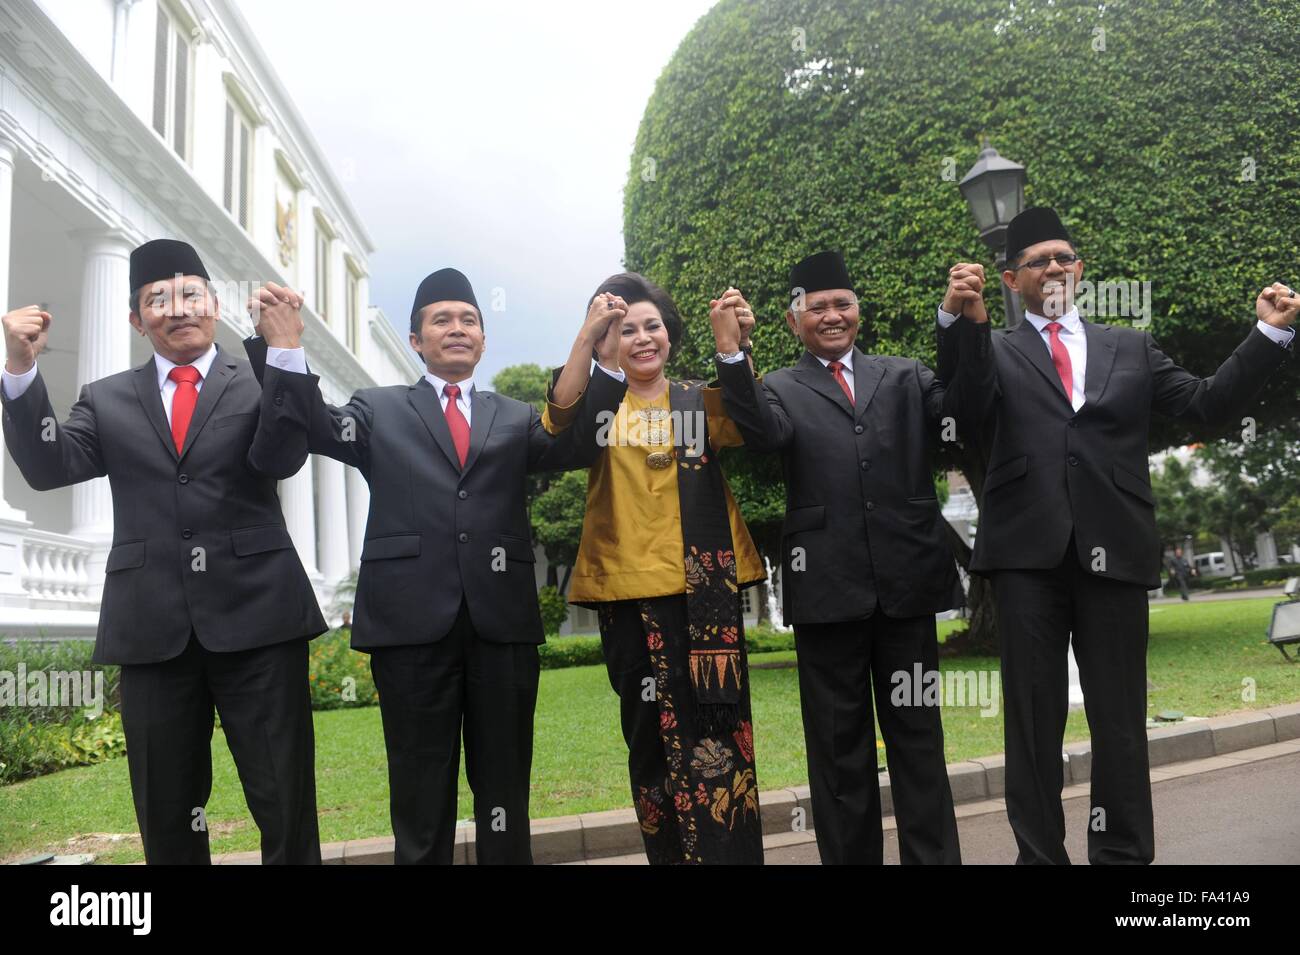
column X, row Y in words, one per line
column 658, row 460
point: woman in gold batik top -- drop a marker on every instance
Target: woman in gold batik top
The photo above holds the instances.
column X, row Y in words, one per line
column 663, row 556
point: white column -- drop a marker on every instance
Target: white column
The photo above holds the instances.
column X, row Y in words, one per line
column 298, row 501
column 1265, row 550
column 8, row 152
column 332, row 520
column 13, row 522
column 103, row 348
column 121, row 27
column 358, row 511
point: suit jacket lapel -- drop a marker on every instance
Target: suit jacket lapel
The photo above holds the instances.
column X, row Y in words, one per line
column 817, row 377
column 867, row 373
column 424, row 397
column 220, row 373
column 1100, row 361
column 146, row 389
column 1027, row 340
column 484, row 409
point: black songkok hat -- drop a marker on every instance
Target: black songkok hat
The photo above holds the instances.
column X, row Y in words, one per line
column 820, row 272
column 1032, row 226
column 444, row 285
column 163, row 259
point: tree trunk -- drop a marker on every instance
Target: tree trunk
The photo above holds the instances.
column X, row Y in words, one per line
column 760, row 594
column 981, row 635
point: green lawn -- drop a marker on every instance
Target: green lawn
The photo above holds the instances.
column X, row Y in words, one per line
column 1200, row 654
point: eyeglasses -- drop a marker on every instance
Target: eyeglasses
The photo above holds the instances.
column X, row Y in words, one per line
column 1063, row 259
column 840, row 305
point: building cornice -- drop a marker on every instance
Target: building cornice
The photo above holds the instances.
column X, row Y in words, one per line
column 390, row 341
column 241, row 47
column 62, row 82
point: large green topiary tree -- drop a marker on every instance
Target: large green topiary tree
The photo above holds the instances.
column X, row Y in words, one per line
column 1164, row 133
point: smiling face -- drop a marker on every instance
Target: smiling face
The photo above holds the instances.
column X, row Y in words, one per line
column 179, row 315
column 827, row 323
column 643, row 346
column 450, row 339
column 1048, row 291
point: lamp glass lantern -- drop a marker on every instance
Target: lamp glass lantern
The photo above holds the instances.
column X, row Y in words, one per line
column 994, row 188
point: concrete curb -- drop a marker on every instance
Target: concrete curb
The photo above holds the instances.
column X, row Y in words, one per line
column 616, row 832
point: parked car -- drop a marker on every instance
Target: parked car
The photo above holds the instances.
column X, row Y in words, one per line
column 1212, row 564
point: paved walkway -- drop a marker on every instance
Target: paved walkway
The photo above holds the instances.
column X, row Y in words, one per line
column 1211, row 596
column 1242, row 808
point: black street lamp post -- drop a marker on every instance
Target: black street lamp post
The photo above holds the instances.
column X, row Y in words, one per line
column 994, row 188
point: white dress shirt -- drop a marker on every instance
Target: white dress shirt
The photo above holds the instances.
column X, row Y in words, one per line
column 1076, row 342
column 168, row 387
column 464, row 400
column 15, row 385
column 847, row 361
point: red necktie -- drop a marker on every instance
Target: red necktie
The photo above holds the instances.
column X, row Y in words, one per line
column 456, row 422
column 1061, row 359
column 183, row 401
column 837, row 370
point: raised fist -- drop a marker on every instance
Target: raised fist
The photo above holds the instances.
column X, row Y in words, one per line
column 1277, row 305
column 277, row 315
column 26, row 332
column 965, row 295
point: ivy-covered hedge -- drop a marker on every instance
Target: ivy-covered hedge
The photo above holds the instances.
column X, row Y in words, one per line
column 39, row 739
column 782, row 127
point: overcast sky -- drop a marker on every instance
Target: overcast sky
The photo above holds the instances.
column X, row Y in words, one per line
column 492, row 136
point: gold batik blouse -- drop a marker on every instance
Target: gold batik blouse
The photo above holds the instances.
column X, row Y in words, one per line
column 632, row 532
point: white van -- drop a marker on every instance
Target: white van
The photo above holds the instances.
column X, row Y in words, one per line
column 1213, row 564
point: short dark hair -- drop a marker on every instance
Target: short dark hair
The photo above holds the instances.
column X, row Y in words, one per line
column 417, row 319
column 632, row 287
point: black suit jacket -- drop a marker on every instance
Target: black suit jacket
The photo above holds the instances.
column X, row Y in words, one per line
column 252, row 590
column 1052, row 472
column 860, row 497
column 436, row 534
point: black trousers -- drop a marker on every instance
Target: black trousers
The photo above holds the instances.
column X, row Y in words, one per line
column 425, row 692
column 265, row 706
column 1037, row 612
column 839, row 664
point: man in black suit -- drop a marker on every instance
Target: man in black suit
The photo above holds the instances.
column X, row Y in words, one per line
column 866, row 563
column 205, row 602
column 1067, row 522
column 446, row 596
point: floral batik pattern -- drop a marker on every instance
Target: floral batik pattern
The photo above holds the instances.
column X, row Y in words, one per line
column 706, row 809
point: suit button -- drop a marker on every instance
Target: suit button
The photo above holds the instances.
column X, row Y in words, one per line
column 871, row 505
column 462, row 494
column 184, row 479
column 857, row 429
column 187, row 533
column 866, row 465
column 462, row 537
column 1074, row 461
column 1072, row 423
column 279, row 398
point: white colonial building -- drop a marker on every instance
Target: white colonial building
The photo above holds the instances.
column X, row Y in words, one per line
column 128, row 120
